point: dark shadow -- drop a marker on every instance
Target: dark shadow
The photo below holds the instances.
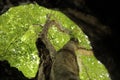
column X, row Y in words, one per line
column 10, row 73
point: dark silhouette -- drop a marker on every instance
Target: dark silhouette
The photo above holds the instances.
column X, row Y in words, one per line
column 10, row 73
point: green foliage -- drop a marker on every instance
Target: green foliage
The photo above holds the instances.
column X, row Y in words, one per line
column 93, row 69
column 19, row 29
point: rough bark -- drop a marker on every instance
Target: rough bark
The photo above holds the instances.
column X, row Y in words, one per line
column 61, row 65
column 65, row 65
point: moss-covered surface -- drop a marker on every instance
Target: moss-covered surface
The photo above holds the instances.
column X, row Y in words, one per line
column 19, row 28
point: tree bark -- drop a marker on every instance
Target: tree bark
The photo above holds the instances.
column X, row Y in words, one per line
column 56, row 65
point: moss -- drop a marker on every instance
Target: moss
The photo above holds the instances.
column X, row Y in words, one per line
column 19, row 29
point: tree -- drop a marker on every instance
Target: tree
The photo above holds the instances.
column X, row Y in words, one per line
column 99, row 21
column 98, row 27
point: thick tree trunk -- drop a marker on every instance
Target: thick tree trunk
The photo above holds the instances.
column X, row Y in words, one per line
column 56, row 65
column 65, row 65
